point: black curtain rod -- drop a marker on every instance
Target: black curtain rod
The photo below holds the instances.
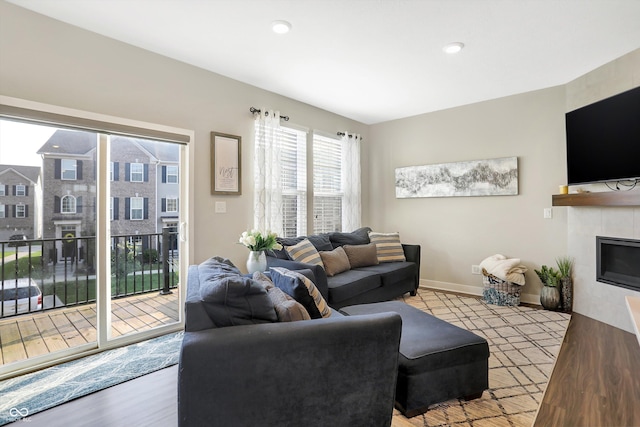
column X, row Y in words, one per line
column 349, row 135
column 256, row 110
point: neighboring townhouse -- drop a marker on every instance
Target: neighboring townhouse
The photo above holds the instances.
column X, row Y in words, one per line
column 143, row 193
column 20, row 195
column 69, row 189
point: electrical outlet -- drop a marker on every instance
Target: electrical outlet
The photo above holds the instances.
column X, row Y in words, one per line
column 547, row 213
column 475, row 269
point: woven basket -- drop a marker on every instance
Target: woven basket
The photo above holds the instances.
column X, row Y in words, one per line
column 499, row 292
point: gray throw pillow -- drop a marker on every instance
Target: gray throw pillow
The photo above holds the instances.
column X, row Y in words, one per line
column 302, row 289
column 231, row 299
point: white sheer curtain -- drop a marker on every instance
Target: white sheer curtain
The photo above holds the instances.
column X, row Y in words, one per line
column 351, row 208
column 267, row 175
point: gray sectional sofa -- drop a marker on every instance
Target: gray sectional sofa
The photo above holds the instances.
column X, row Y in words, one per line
column 240, row 366
column 366, row 284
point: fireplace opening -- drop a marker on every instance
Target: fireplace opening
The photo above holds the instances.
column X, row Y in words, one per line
column 618, row 262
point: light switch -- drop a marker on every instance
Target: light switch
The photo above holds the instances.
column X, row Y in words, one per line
column 221, row 207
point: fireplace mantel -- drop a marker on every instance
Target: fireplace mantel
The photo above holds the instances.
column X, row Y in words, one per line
column 607, row 198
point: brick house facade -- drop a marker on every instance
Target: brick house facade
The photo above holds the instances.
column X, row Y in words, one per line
column 20, row 193
column 69, row 183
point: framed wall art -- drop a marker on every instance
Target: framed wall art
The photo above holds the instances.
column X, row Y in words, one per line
column 492, row 177
column 226, row 171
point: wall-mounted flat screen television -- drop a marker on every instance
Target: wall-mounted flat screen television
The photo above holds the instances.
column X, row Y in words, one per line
column 603, row 140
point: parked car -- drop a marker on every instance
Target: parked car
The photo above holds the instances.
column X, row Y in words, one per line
column 18, row 240
column 23, row 293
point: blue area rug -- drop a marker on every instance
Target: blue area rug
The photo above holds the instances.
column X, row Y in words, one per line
column 31, row 393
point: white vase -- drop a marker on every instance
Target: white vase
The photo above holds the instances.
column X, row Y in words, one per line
column 257, row 261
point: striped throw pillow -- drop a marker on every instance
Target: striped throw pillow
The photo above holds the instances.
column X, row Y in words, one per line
column 303, row 290
column 304, row 252
column 388, row 246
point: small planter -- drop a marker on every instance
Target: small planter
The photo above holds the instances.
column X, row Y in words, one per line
column 567, row 294
column 550, row 297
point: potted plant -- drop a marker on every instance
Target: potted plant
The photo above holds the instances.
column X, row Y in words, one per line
column 258, row 242
column 565, row 268
column 550, row 294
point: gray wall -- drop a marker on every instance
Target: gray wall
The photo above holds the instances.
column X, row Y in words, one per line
column 457, row 232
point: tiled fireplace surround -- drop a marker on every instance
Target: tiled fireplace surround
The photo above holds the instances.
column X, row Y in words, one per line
column 597, row 300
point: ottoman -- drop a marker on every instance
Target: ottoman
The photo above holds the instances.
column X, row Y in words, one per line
column 438, row 361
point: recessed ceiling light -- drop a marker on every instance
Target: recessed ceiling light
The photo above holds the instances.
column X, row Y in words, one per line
column 280, row 27
column 454, row 47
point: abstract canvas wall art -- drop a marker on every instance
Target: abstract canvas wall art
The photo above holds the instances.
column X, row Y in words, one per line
column 493, row 177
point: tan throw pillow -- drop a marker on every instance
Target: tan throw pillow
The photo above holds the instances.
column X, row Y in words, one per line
column 304, row 252
column 388, row 246
column 361, row 255
column 335, row 261
column 287, row 309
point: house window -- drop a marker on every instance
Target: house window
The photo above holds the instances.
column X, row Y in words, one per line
column 21, row 211
column 110, row 171
column 294, row 181
column 111, row 207
column 137, row 208
column 68, row 169
column 2, row 190
column 327, row 184
column 68, row 205
column 136, row 172
column 172, row 204
column 2, row 211
column 21, row 190
column 172, row 174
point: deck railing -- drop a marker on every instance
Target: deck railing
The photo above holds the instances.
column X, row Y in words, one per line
column 43, row 274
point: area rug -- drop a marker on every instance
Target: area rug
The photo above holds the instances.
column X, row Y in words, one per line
column 31, row 393
column 524, row 343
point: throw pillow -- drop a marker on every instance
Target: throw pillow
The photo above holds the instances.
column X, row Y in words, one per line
column 388, row 246
column 231, row 299
column 357, row 237
column 361, row 255
column 287, row 309
column 335, row 261
column 304, row 252
column 302, row 289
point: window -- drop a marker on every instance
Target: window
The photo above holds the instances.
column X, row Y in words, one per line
column 68, row 205
column 172, row 174
column 21, row 211
column 2, row 190
column 111, row 207
column 111, row 171
column 69, row 169
column 172, row 204
column 2, row 211
column 136, row 172
column 137, row 208
column 293, row 156
column 327, row 184
column 21, row 190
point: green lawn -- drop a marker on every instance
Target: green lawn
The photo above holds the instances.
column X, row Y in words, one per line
column 81, row 290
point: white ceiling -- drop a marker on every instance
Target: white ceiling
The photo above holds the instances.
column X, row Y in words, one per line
column 372, row 60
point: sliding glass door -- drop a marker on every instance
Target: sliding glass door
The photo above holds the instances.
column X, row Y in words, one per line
column 90, row 240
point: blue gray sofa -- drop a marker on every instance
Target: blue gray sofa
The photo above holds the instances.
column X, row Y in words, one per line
column 239, row 366
column 367, row 284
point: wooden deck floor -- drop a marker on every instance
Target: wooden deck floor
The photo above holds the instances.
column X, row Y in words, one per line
column 30, row 335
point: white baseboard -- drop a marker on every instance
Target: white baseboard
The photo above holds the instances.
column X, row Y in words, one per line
column 471, row 290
